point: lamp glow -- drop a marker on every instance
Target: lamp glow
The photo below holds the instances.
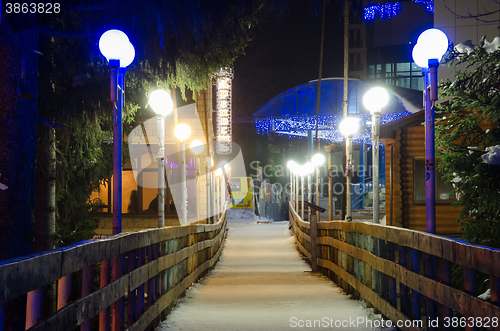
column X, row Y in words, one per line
column 114, row 44
column 182, row 131
column 128, row 57
column 375, row 99
column 197, row 147
column 318, row 159
column 161, row 102
column 349, row 126
column 431, row 44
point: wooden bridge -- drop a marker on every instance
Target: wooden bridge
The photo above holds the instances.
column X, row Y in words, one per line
column 403, row 274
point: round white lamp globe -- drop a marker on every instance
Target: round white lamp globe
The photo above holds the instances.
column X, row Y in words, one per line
column 182, row 131
column 375, row 99
column 349, row 126
column 419, row 56
column 318, row 159
column 196, row 146
column 128, row 56
column 161, row 102
column 291, row 165
column 114, row 44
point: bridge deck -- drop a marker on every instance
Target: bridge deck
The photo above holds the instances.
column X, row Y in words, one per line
column 262, row 283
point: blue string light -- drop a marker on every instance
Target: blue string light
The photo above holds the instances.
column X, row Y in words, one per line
column 429, row 4
column 385, row 10
column 298, row 126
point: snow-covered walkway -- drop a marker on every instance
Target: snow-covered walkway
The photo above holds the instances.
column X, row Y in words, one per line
column 262, row 283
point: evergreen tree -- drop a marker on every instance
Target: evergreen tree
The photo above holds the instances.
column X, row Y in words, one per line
column 465, row 127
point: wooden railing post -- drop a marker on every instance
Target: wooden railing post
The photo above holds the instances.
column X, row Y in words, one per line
column 393, row 296
column 87, row 287
column 495, row 290
column 382, row 251
column 314, row 247
column 2, row 317
column 430, row 272
column 118, row 307
column 104, row 316
column 132, row 297
column 63, row 291
column 34, row 307
column 415, row 296
column 446, row 279
column 151, row 285
column 141, row 260
column 403, row 290
column 470, row 288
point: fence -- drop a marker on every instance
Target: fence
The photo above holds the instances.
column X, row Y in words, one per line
column 160, row 265
column 394, row 270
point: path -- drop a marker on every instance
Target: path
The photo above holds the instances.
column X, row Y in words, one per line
column 261, row 283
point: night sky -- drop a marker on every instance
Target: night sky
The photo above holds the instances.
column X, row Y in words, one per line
column 286, row 54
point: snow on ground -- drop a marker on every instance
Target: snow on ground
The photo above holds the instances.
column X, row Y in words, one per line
column 262, row 283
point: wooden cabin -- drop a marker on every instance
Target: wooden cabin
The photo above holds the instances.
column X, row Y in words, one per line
column 404, row 143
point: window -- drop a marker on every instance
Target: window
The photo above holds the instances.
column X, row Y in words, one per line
column 404, row 74
column 442, row 188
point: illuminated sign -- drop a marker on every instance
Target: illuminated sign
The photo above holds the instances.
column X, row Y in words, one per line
column 224, row 127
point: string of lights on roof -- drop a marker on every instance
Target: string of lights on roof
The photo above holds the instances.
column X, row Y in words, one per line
column 299, row 126
column 391, row 9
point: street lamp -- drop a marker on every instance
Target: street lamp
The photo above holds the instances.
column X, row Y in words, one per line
column 348, row 127
column 162, row 104
column 197, row 147
column 374, row 100
column 431, row 45
column 182, row 132
column 116, row 47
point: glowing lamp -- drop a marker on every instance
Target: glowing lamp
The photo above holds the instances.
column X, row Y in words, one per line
column 182, row 131
column 292, row 166
column 376, row 99
column 161, row 102
column 318, row 159
column 197, row 147
column 115, row 45
column 431, row 44
column 349, row 126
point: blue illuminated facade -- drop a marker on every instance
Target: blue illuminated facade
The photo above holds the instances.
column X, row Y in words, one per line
column 391, row 9
column 293, row 112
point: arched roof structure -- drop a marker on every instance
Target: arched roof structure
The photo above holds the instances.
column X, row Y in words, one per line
column 293, row 112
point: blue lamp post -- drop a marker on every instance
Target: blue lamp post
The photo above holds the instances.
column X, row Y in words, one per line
column 431, row 45
column 427, row 53
column 119, row 52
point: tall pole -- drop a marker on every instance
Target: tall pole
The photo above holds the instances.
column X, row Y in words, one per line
column 297, row 195
column 348, row 173
column 302, row 195
column 117, row 89
column 197, row 188
column 213, row 180
column 375, row 166
column 345, row 95
column 430, row 92
column 318, row 91
column 208, row 188
column 161, row 170
column 182, row 167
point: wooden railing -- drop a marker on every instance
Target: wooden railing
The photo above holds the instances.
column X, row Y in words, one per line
column 394, row 269
column 159, row 265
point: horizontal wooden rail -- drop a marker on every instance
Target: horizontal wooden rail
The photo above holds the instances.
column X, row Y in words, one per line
column 368, row 259
column 176, row 258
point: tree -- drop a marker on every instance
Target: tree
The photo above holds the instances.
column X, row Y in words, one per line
column 469, row 124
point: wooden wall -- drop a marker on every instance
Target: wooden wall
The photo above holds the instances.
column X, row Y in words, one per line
column 409, row 142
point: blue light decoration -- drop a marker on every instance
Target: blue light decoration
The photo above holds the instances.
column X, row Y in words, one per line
column 298, row 126
column 385, row 10
column 429, row 4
